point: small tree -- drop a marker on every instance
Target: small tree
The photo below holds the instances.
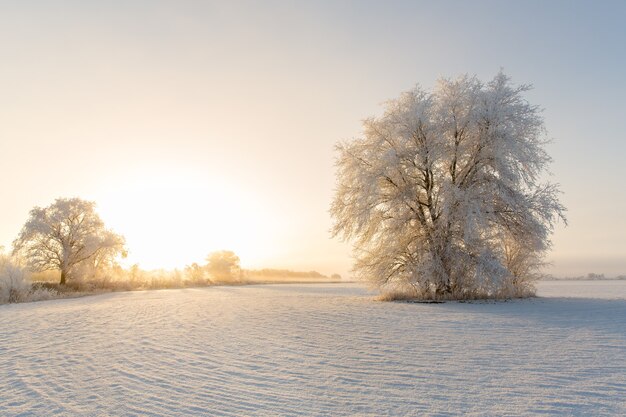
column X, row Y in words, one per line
column 223, row 266
column 65, row 234
column 442, row 194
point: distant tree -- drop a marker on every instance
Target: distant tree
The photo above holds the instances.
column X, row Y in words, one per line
column 223, row 266
column 442, row 194
column 195, row 274
column 594, row 276
column 64, row 235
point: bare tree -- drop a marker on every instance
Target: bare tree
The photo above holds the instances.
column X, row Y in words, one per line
column 65, row 234
column 442, row 194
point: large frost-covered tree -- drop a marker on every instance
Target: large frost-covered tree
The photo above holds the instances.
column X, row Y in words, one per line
column 443, row 193
column 64, row 235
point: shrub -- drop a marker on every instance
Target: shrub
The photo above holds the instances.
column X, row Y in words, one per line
column 15, row 284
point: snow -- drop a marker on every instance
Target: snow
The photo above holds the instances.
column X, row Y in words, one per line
column 314, row 350
column 607, row 289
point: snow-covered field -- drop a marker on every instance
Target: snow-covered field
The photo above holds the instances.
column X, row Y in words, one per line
column 324, row 349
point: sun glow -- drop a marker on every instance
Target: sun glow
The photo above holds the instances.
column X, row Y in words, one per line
column 172, row 219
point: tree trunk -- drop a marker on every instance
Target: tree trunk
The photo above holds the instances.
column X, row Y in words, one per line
column 63, row 274
column 444, row 280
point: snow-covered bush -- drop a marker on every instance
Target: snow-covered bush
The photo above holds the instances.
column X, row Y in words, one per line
column 442, row 194
column 14, row 282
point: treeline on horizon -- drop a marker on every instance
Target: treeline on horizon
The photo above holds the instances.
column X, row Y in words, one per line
column 589, row 277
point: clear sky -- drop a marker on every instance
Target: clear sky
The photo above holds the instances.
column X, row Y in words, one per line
column 199, row 125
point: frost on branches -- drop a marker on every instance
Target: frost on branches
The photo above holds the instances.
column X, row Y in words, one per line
column 66, row 235
column 442, row 195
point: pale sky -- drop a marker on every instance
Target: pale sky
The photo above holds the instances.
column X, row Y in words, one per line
column 199, row 125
